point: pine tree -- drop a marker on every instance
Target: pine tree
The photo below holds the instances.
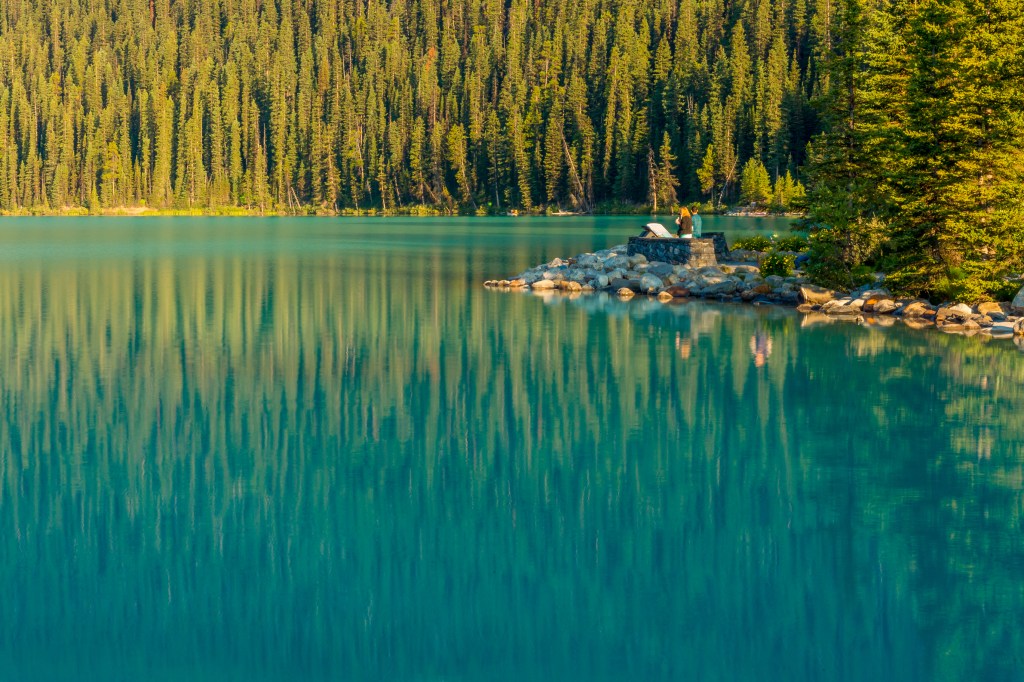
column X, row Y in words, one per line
column 961, row 227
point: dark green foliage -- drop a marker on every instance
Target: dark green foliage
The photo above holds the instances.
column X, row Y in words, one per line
column 776, row 263
column 755, row 243
column 328, row 105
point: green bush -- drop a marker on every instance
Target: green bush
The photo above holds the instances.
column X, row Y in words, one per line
column 1004, row 290
column 776, row 263
column 792, row 243
column 756, row 243
column 861, row 275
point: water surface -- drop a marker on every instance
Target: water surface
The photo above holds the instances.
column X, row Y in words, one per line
column 318, row 449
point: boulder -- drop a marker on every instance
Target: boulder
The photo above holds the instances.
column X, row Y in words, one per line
column 600, row 282
column 839, row 306
column 790, row 297
column 1017, row 305
column 816, row 295
column 616, row 262
column 651, row 283
column 958, row 312
column 990, row 307
column 917, row 309
column 637, row 259
column 622, row 283
column 883, row 306
column 556, row 274
column 677, row 291
column 1018, row 328
column 517, row 283
column 664, row 296
column 557, row 262
column 722, row 288
column 625, row 292
column 543, row 284
column 572, row 285
column 660, row 269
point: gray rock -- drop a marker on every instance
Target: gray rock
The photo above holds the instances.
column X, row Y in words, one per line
column 637, row 259
column 651, row 283
column 621, row 283
column 959, row 311
column 556, row 273
column 616, row 262
column 617, row 272
column 721, row 288
column 885, row 306
column 660, row 269
column 1017, row 305
column 840, row 306
column 600, row 282
column 1018, row 328
column 557, row 262
column 816, row 295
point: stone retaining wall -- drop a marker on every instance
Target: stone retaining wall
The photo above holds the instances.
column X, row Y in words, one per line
column 721, row 246
column 695, row 253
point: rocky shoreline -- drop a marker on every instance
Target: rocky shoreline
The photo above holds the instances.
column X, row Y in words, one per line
column 612, row 270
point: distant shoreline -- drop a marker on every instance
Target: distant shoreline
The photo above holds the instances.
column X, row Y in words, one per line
column 309, row 212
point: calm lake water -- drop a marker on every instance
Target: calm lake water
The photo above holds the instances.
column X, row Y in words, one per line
column 247, row 449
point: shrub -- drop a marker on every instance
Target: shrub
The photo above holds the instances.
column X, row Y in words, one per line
column 776, row 263
column 792, row 243
column 1004, row 290
column 756, row 243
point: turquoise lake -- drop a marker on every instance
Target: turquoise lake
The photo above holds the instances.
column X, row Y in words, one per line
column 319, row 449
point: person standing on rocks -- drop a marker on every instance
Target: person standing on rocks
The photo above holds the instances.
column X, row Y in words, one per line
column 685, row 223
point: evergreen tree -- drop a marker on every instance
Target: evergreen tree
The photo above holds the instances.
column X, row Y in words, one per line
column 755, row 185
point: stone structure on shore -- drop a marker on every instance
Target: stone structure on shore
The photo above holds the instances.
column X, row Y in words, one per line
column 623, row 271
column 698, row 252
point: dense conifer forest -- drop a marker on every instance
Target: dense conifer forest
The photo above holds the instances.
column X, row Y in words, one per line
column 371, row 104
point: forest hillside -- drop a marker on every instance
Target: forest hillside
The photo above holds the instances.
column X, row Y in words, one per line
column 465, row 105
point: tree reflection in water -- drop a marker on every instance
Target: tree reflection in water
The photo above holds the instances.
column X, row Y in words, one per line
column 255, row 464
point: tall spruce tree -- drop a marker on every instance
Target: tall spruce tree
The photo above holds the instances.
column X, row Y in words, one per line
column 961, row 225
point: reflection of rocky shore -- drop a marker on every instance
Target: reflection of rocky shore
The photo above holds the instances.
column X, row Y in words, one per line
column 615, row 271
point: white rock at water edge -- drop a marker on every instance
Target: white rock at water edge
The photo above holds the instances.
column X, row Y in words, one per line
column 1018, row 302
